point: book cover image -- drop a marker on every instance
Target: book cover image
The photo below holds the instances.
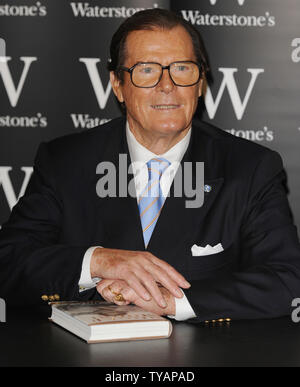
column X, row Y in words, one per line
column 97, row 313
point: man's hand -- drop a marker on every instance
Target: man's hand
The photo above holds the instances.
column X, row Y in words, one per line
column 141, row 270
column 109, row 288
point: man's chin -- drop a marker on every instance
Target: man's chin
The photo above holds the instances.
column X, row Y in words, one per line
column 170, row 127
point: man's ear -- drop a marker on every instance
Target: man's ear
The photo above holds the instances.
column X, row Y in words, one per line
column 116, row 86
column 200, row 87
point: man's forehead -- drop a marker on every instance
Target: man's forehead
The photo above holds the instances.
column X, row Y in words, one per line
column 174, row 41
column 178, row 31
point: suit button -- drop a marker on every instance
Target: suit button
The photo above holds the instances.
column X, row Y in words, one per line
column 228, row 319
column 221, row 320
column 44, row 297
column 51, row 298
column 56, row 297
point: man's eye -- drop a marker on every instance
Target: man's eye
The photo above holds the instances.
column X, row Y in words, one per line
column 182, row 68
column 147, row 70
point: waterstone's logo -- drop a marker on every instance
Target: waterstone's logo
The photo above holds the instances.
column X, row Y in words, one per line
column 85, row 121
column 196, row 17
column 84, row 9
column 2, row 310
column 23, row 122
column 23, row 10
column 258, row 135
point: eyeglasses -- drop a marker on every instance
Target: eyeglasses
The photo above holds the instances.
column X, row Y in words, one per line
column 149, row 74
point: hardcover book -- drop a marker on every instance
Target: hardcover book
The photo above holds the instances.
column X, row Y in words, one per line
column 100, row 321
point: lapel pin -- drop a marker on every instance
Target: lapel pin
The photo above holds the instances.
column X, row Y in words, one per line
column 207, row 188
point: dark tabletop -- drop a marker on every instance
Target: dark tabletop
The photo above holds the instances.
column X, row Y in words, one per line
column 29, row 339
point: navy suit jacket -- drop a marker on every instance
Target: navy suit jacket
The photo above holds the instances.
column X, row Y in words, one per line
column 60, row 216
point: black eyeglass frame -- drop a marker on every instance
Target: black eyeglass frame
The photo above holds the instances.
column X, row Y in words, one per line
column 130, row 71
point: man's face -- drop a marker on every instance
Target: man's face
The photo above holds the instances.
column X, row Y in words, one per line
column 164, row 109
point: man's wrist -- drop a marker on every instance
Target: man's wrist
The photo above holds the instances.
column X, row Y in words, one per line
column 171, row 306
column 183, row 309
column 94, row 265
column 170, row 300
column 86, row 281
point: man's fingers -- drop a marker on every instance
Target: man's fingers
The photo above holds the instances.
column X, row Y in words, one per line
column 142, row 271
column 107, row 295
column 173, row 273
column 134, row 282
column 166, row 281
column 120, row 287
column 143, row 280
column 153, row 288
column 110, row 292
column 129, row 294
column 103, row 284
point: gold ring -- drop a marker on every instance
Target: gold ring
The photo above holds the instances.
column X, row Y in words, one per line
column 119, row 297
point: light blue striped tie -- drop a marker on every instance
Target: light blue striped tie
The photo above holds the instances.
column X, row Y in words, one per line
column 151, row 200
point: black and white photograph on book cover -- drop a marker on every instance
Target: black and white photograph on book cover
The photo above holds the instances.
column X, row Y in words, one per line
column 149, row 167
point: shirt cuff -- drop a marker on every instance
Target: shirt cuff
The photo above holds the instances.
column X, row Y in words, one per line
column 183, row 309
column 86, row 281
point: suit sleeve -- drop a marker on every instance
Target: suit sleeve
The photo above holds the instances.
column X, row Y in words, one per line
column 32, row 260
column 268, row 278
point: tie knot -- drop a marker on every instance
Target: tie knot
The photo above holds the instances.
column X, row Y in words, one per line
column 157, row 166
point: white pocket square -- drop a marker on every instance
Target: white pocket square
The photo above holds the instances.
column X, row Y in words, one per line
column 198, row 251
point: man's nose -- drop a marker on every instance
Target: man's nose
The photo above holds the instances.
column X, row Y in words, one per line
column 166, row 84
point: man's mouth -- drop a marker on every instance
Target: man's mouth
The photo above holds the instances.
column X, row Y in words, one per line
column 165, row 107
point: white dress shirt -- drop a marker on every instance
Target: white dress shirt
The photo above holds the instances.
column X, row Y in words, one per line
column 139, row 157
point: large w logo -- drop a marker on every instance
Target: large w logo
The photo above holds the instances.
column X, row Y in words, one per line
column 13, row 91
column 8, row 189
column 229, row 83
column 102, row 94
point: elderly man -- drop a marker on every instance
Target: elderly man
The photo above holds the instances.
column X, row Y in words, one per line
column 237, row 256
